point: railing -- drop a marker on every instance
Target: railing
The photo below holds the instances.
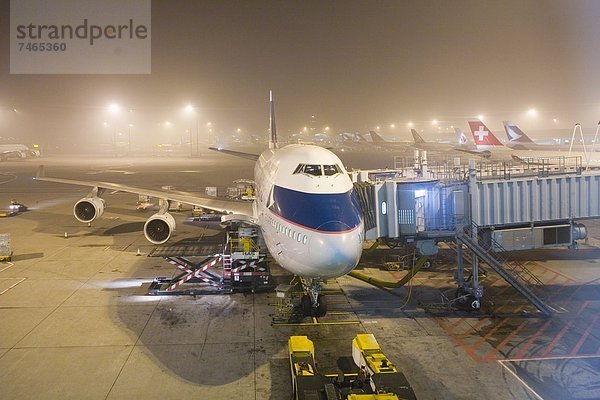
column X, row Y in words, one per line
column 529, row 166
column 490, row 245
column 515, row 273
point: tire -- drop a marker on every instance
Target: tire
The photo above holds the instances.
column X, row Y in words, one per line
column 475, row 304
column 306, row 305
column 321, row 309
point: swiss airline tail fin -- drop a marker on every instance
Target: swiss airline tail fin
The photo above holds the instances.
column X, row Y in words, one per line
column 416, row 137
column 515, row 134
column 482, row 135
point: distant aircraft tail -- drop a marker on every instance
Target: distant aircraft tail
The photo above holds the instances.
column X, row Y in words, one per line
column 515, row 134
column 416, row 137
column 482, row 135
column 376, row 137
column 462, row 139
column 272, row 128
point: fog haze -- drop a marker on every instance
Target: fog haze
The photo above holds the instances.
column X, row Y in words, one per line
column 351, row 65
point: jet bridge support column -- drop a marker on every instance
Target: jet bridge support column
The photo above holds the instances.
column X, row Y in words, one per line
column 460, row 272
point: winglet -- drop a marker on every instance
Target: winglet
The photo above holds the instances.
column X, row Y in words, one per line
column 272, row 128
column 41, row 172
column 416, row 137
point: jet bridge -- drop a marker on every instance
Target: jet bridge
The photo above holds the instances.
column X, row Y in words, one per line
column 484, row 209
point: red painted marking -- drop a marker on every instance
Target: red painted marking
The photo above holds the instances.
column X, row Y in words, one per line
column 549, row 281
column 454, row 325
column 490, row 333
column 476, row 326
column 460, row 342
column 584, row 336
column 528, row 344
column 557, row 338
column 490, row 355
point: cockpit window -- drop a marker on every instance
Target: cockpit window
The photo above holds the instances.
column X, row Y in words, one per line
column 318, row 170
column 331, row 169
column 312, row 169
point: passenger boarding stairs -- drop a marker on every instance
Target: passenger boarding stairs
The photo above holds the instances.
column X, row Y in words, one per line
column 515, row 273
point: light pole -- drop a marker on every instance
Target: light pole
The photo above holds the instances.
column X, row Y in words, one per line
column 191, row 110
column 210, row 141
column 129, row 137
column 114, row 109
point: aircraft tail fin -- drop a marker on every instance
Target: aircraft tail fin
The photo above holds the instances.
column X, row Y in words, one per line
column 482, row 135
column 462, row 139
column 416, row 137
column 272, row 128
column 515, row 134
column 375, row 137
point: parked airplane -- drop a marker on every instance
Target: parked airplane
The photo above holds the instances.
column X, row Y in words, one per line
column 517, row 139
column 385, row 144
column 17, row 151
column 485, row 139
column 305, row 207
column 463, row 145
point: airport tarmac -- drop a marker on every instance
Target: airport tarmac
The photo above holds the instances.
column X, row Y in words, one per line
column 76, row 322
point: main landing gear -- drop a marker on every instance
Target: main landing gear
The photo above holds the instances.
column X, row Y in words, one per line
column 312, row 303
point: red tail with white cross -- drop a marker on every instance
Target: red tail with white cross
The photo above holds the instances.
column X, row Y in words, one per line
column 482, row 135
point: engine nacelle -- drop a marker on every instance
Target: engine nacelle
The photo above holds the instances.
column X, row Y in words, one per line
column 88, row 209
column 159, row 228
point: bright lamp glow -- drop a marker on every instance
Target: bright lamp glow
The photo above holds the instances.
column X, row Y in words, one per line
column 480, row 117
column 189, row 108
column 532, row 112
column 434, row 122
column 114, row 108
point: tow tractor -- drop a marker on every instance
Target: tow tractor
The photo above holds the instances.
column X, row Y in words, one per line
column 14, row 208
column 376, row 377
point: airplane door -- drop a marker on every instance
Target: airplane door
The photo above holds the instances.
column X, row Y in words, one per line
column 420, row 213
column 406, row 210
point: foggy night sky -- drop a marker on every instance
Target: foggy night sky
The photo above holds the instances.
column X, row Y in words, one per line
column 352, row 64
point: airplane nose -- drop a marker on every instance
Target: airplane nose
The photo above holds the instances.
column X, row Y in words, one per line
column 336, row 254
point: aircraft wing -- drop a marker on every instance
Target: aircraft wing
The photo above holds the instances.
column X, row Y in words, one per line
column 247, row 156
column 226, row 206
column 12, row 153
column 481, row 153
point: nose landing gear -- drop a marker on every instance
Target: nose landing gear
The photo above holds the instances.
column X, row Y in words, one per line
column 312, row 303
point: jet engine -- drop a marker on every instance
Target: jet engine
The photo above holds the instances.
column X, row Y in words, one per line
column 159, row 228
column 88, row 209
